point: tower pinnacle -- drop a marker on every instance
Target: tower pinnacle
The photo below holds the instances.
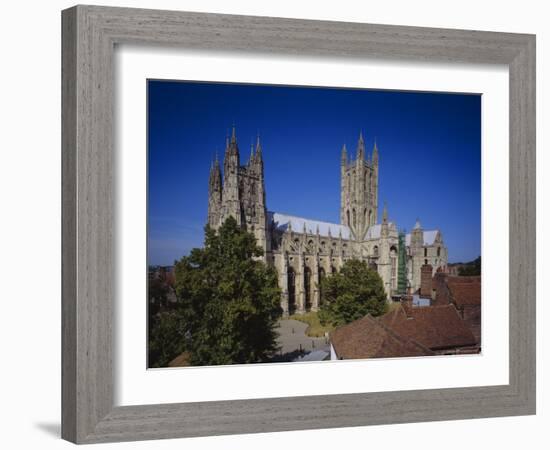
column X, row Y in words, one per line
column 258, row 146
column 344, row 154
column 360, row 147
column 232, row 148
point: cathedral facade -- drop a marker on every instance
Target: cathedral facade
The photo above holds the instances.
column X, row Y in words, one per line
column 303, row 250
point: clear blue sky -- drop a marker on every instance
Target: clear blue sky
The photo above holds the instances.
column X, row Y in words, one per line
column 429, row 146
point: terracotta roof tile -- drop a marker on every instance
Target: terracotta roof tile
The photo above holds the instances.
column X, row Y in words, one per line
column 465, row 290
column 435, row 327
column 368, row 338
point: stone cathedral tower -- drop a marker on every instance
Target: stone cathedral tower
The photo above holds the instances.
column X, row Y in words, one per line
column 215, row 194
column 242, row 192
column 359, row 190
column 303, row 250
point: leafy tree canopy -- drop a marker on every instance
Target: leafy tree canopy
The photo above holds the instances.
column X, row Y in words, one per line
column 158, row 293
column 352, row 293
column 165, row 328
column 228, row 300
column 472, row 268
column 167, row 337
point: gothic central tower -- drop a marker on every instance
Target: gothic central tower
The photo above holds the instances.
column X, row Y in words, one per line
column 359, row 189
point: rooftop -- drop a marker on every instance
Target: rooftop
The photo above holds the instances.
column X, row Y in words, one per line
column 421, row 301
column 283, row 221
column 316, row 355
column 369, row 338
column 436, row 327
column 465, row 290
column 428, row 235
column 375, row 230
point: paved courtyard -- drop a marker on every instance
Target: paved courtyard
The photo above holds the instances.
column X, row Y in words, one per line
column 294, row 343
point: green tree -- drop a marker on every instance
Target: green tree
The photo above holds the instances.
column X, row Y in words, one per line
column 472, row 268
column 157, row 291
column 167, row 337
column 228, row 299
column 164, row 343
column 351, row 294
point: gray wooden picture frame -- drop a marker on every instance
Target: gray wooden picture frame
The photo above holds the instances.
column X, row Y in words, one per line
column 89, row 35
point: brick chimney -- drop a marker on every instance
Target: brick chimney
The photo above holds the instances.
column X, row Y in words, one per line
column 407, row 303
column 426, row 281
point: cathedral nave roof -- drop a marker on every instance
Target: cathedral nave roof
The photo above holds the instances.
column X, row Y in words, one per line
column 283, row 221
column 429, row 237
column 375, row 231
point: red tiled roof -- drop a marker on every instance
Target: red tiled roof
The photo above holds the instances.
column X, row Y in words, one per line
column 465, row 290
column 368, row 338
column 435, row 327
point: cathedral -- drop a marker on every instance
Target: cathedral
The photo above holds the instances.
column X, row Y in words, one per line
column 304, row 250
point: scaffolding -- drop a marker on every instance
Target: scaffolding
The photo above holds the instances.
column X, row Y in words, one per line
column 402, row 265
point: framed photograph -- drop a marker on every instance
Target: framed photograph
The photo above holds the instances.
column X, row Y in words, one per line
column 278, row 224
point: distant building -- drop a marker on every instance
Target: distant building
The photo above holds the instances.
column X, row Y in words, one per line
column 416, row 300
column 163, row 277
column 471, row 268
column 163, row 273
column 454, row 269
column 302, row 250
column 315, row 355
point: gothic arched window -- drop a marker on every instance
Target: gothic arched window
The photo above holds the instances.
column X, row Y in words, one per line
column 354, row 218
column 393, row 261
column 291, row 280
column 438, row 251
column 307, row 287
column 425, row 252
column 375, row 250
column 347, row 216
